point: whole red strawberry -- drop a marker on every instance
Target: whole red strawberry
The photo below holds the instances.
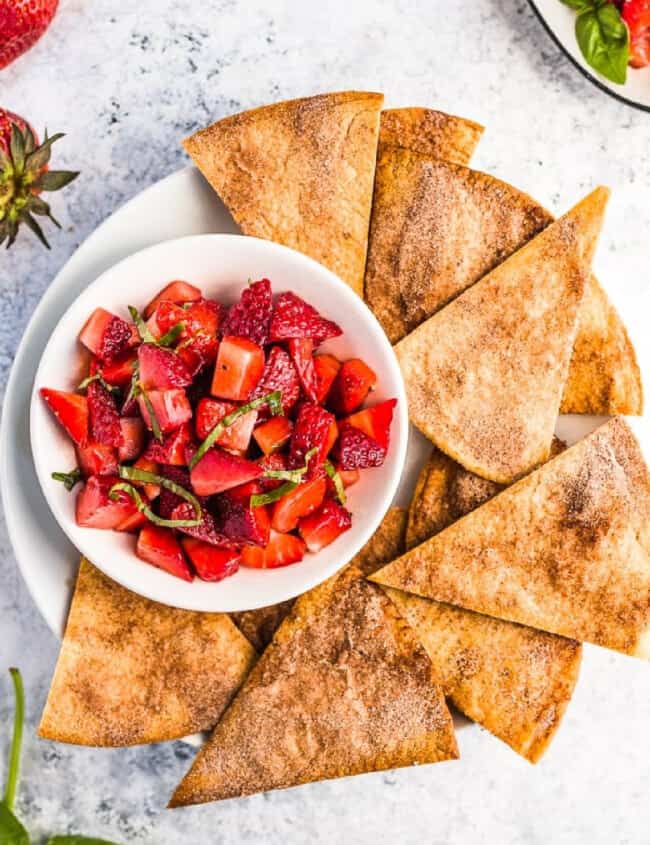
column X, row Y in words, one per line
column 25, row 174
column 22, row 22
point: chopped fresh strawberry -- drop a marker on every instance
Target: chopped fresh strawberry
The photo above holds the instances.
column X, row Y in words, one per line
column 177, row 292
column 164, row 317
column 95, row 509
column 202, row 320
column 327, row 367
column 107, row 336
column 132, row 438
column 210, row 562
column 71, row 411
column 295, row 318
column 97, row 459
column 159, row 547
column 168, row 500
column 104, row 418
column 119, row 372
column 273, row 434
column 310, row 431
column 354, row 381
column 324, row 525
column 349, row 476
column 301, row 350
column 332, row 436
column 251, row 316
column 241, row 522
column 219, row 470
column 172, row 449
column 636, row 14
column 375, row 421
column 207, row 531
column 239, row 367
column 281, row 550
column 355, row 450
column 210, row 412
column 170, row 407
column 132, row 524
column 279, row 374
column 278, row 460
column 161, row 369
column 300, row 502
column 152, row 490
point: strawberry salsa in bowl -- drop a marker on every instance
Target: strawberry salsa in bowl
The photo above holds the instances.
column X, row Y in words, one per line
column 218, row 437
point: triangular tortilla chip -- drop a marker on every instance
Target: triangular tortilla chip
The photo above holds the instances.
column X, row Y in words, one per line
column 564, row 550
column 259, row 625
column 484, row 376
column 132, row 671
column 513, row 680
column 343, row 688
column 433, row 133
column 299, row 173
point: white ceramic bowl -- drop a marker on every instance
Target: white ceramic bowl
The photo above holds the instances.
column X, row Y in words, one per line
column 220, row 265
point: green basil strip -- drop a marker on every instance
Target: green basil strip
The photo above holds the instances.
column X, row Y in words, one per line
column 273, row 400
column 273, row 495
column 68, row 479
column 136, row 474
column 336, row 479
column 141, row 326
column 73, row 839
column 100, row 378
column 16, row 741
column 172, row 335
column 131, row 491
column 155, row 425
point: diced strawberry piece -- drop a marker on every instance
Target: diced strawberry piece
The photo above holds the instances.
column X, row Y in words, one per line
column 168, row 500
column 97, row 459
column 152, row 490
column 276, row 461
column 161, row 369
column 300, row 502
column 104, row 418
column 132, row 438
column 210, row 562
column 132, row 524
column 239, row 367
column 239, row 521
column 332, row 436
column 202, row 320
column 165, row 316
column 94, row 508
column 172, row 449
column 301, row 350
column 206, row 531
column 219, row 470
column 159, row 547
column 351, row 386
column 375, row 421
column 177, row 292
column 349, row 476
column 327, row 367
column 324, row 525
column 636, row 14
column 251, row 316
column 293, row 317
column 71, row 411
column 279, row 374
column 281, row 550
column 210, row 412
column 170, row 408
column 273, row 434
column 119, row 372
column 310, row 431
column 106, row 335
column 355, row 450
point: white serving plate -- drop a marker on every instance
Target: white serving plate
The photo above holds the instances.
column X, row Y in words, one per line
column 559, row 22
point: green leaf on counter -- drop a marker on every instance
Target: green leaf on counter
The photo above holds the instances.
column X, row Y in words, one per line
column 11, row 830
column 72, row 839
column 604, row 40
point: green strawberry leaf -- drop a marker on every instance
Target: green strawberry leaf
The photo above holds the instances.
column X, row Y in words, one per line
column 54, row 180
column 11, row 830
column 17, row 148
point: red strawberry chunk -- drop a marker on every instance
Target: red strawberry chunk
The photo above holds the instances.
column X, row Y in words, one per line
column 210, row 562
column 165, row 316
column 152, row 490
column 132, row 524
column 104, row 419
column 168, row 500
column 97, row 459
column 210, row 412
column 177, row 292
column 251, row 316
column 273, row 434
column 293, row 317
column 170, row 408
column 354, row 381
column 310, row 431
column 300, row 502
column 239, row 367
column 324, row 525
column 106, row 335
column 241, row 522
column 355, row 450
column 119, row 372
column 349, row 476
column 71, row 411
column 375, row 421
column 206, row 531
column 326, row 367
column 219, row 470
column 279, row 374
column 161, row 369
column 132, row 438
column 94, row 508
column 202, row 320
column 278, row 460
column 281, row 550
column 301, row 350
column 159, row 547
column 172, row 449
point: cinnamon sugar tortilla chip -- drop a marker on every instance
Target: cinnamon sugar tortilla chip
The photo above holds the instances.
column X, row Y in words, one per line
column 433, row 133
column 484, row 376
column 343, row 688
column 299, row 173
column 565, row 549
column 132, row 671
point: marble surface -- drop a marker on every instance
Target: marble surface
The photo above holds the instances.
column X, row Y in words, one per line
column 126, row 81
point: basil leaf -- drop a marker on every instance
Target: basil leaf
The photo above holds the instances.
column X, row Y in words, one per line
column 73, row 839
column 260, row 499
column 603, row 39
column 16, row 740
column 141, row 326
column 68, row 479
column 11, row 830
column 582, row 5
column 330, row 469
column 155, row 425
column 172, row 335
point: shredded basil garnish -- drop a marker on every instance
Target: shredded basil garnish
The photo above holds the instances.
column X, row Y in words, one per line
column 172, row 335
column 136, row 474
column 337, row 481
column 68, row 479
column 141, row 326
column 273, row 495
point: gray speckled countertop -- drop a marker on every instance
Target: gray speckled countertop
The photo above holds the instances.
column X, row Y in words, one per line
column 126, row 81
